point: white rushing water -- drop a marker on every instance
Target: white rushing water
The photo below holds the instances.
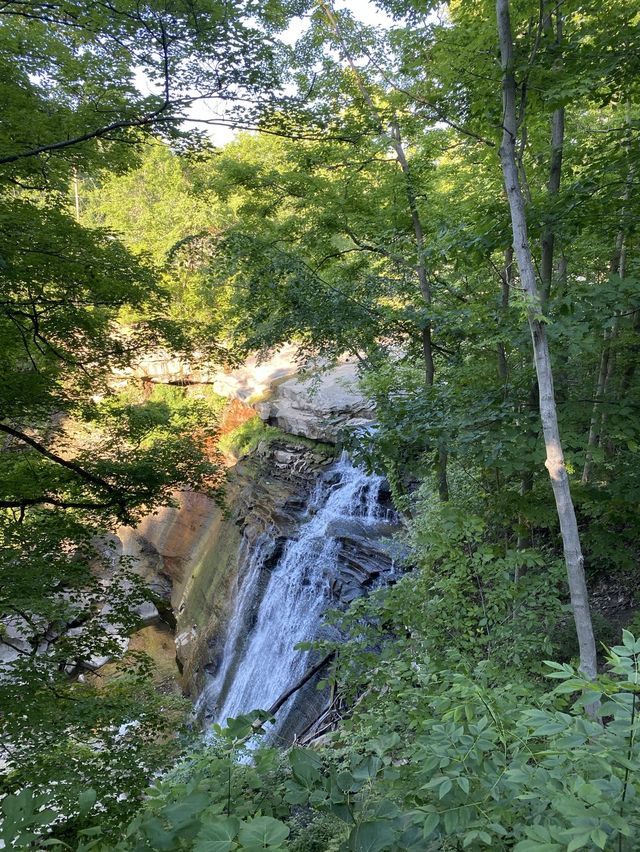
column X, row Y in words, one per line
column 258, row 666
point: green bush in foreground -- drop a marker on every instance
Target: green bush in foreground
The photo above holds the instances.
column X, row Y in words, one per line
column 461, row 763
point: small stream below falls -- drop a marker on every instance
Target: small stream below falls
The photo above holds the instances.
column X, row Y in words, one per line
column 283, row 589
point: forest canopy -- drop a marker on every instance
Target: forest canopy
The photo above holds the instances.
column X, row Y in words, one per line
column 450, row 200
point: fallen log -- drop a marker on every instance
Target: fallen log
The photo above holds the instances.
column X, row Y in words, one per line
column 282, row 699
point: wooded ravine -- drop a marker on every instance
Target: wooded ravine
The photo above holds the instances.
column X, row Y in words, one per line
column 320, row 425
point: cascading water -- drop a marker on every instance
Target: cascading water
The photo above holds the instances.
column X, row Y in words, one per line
column 259, row 661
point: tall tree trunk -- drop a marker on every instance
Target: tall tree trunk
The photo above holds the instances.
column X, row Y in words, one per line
column 553, row 186
column 555, row 459
column 76, row 193
column 395, row 140
column 442, row 454
column 617, row 266
column 594, row 432
column 630, row 369
column 547, row 249
column 507, row 281
column 418, row 231
column 526, row 483
column 555, row 174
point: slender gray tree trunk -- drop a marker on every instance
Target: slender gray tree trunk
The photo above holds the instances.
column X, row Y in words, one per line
column 555, row 174
column 418, row 231
column 395, row 140
column 76, row 193
column 555, row 459
column 617, row 266
column 553, row 186
column 547, row 250
column 594, row 432
column 507, row 282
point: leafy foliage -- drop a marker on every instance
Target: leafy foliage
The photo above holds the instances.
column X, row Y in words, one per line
column 367, row 221
column 78, row 311
column 433, row 756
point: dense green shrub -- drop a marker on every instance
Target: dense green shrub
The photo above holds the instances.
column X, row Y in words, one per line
column 430, row 759
column 437, row 755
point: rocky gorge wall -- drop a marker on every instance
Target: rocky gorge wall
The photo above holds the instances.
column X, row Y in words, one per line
column 196, row 555
column 301, row 529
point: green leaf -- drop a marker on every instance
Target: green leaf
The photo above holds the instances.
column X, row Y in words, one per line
column 373, row 836
column 182, row 813
column 214, row 846
column 445, row 787
column 463, row 782
column 430, row 825
column 223, row 830
column 368, row 768
column 387, row 742
column 599, row 837
column 629, row 641
column 159, row 837
column 589, row 793
column 579, row 842
column 305, row 765
column 263, row 831
column 451, row 819
column 18, row 807
column 86, row 801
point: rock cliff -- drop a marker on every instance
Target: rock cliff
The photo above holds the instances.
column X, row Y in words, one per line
column 194, row 556
column 319, row 406
column 194, row 552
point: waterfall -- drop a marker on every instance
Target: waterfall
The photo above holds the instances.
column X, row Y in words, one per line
column 275, row 610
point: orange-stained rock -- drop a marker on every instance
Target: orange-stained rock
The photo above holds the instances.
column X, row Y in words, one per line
column 236, row 413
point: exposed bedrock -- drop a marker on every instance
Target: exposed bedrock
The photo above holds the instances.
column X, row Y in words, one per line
column 214, row 568
column 294, row 514
column 193, row 554
column 320, row 406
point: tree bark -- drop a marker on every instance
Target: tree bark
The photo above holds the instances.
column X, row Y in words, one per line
column 76, row 193
column 506, row 283
column 553, row 184
column 425, row 290
column 395, row 139
column 617, row 266
column 629, row 371
column 594, row 432
column 418, row 231
column 526, row 483
column 555, row 464
column 282, row 699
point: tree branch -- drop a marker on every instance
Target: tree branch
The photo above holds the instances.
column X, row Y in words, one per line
column 23, row 502
column 92, row 478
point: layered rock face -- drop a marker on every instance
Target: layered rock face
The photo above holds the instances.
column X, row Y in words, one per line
column 294, row 515
column 319, row 406
column 267, row 492
column 196, row 552
column 252, row 378
column 292, row 566
column 299, row 529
